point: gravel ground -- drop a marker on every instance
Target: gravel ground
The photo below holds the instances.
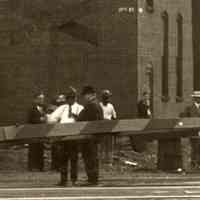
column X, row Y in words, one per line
column 128, row 167
column 124, row 158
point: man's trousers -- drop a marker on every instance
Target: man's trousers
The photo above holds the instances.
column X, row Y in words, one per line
column 91, row 161
column 69, row 154
column 36, row 156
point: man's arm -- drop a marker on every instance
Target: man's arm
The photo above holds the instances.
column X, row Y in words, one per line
column 114, row 114
column 81, row 116
column 56, row 115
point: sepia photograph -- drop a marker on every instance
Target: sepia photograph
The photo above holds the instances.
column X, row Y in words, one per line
column 99, row 99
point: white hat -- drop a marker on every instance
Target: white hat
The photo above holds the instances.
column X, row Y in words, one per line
column 196, row 94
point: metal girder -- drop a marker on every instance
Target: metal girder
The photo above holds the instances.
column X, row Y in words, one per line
column 155, row 129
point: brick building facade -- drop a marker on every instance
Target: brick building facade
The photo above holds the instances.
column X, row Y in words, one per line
column 152, row 43
column 116, row 44
column 196, row 42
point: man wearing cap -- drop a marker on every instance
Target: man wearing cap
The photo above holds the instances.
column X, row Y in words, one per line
column 194, row 111
column 92, row 111
column 68, row 113
column 109, row 113
column 36, row 150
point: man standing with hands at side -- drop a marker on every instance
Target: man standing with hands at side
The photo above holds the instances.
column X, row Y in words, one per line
column 92, row 111
column 109, row 113
column 143, row 112
column 36, row 150
column 144, row 106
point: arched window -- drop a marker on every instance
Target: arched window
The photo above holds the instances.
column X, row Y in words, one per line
column 165, row 57
column 179, row 58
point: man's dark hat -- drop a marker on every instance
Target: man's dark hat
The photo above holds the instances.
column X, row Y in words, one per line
column 88, row 90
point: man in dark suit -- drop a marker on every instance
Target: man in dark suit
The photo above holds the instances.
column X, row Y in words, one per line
column 36, row 150
column 143, row 112
column 194, row 111
column 143, row 107
column 92, row 111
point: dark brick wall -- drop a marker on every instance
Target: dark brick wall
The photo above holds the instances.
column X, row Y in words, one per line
column 150, row 41
column 37, row 56
column 20, row 80
column 196, row 42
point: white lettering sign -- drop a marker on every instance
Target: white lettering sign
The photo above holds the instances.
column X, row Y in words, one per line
column 126, row 10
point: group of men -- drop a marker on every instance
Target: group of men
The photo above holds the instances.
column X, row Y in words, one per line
column 70, row 111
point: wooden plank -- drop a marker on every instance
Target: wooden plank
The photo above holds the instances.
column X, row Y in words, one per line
column 155, row 128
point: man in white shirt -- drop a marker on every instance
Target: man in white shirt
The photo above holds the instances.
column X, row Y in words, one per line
column 68, row 113
column 109, row 113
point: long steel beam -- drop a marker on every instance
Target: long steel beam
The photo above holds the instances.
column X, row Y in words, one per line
column 155, row 129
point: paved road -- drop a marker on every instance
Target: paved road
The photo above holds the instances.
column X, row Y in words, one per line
column 146, row 186
column 102, row 193
column 49, row 179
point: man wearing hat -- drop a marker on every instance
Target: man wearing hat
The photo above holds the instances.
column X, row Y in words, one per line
column 36, row 150
column 109, row 113
column 92, row 111
column 194, row 111
column 68, row 113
